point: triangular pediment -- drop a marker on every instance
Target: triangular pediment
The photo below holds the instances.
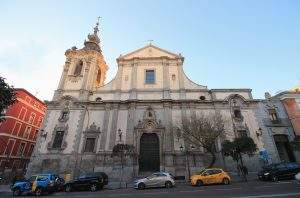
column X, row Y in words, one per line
column 150, row 51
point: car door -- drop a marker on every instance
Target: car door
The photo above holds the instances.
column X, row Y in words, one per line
column 152, row 180
column 292, row 169
column 282, row 171
column 218, row 176
column 212, row 176
column 161, row 179
column 207, row 176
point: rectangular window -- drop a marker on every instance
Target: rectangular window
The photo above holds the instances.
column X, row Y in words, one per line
column 31, row 118
column 237, row 113
column 150, row 77
column 40, row 121
column 22, row 113
column 242, row 133
column 58, row 139
column 27, row 132
column 89, row 145
column 273, row 115
column 28, row 99
column 16, row 128
column 21, row 149
column 9, row 147
column 30, row 150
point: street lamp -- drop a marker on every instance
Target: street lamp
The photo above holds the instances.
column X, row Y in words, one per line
column 187, row 163
column 120, row 135
column 43, row 133
column 259, row 132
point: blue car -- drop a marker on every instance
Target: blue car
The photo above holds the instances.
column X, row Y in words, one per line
column 36, row 184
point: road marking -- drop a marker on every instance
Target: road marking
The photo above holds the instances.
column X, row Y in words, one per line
column 264, row 187
column 184, row 191
column 121, row 194
column 281, row 182
column 154, row 193
column 272, row 195
column 228, row 188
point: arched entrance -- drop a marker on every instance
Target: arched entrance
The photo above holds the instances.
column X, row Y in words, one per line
column 284, row 149
column 149, row 153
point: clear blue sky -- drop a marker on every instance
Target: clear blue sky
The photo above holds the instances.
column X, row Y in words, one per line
column 226, row 44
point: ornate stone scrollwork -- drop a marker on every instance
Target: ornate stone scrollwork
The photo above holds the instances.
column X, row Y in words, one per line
column 93, row 129
column 149, row 122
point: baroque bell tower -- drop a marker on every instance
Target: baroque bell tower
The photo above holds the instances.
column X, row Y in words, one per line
column 84, row 70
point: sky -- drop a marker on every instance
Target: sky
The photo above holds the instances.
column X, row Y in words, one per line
column 226, row 43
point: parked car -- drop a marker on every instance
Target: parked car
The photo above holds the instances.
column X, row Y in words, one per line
column 275, row 172
column 36, row 184
column 159, row 179
column 90, row 181
column 297, row 177
column 210, row 176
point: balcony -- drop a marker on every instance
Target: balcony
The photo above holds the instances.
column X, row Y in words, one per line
column 280, row 122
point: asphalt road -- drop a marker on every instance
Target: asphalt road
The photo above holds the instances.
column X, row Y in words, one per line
column 253, row 189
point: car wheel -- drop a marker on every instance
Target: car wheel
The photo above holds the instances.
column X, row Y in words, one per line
column 274, row 178
column 226, row 181
column 168, row 184
column 16, row 192
column 199, row 183
column 38, row 192
column 141, row 186
column 93, row 187
column 68, row 188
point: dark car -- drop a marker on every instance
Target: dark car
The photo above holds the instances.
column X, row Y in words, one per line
column 89, row 181
column 275, row 172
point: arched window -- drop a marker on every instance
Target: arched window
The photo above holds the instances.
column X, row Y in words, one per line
column 98, row 79
column 78, row 68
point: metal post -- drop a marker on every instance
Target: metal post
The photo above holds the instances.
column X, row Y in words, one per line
column 188, row 164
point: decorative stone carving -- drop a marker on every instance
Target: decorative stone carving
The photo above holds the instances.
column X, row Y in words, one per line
column 93, row 129
column 149, row 122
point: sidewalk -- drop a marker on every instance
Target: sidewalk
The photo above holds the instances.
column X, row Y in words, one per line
column 250, row 177
column 5, row 188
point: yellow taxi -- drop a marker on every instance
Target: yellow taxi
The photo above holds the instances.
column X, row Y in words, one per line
column 210, row 176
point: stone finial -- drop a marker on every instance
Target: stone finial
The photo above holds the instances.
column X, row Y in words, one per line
column 267, row 95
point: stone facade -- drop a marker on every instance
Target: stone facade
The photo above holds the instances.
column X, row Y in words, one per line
column 85, row 109
column 276, row 129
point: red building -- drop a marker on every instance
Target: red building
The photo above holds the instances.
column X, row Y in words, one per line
column 19, row 131
column 291, row 102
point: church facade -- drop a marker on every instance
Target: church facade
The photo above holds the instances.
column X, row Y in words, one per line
column 149, row 96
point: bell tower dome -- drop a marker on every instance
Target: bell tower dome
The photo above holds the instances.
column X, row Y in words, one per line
column 84, row 70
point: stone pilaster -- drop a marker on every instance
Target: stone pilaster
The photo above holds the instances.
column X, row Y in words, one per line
column 133, row 80
column 83, row 91
column 105, row 127
column 113, row 128
column 169, row 139
column 166, row 80
column 130, row 123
